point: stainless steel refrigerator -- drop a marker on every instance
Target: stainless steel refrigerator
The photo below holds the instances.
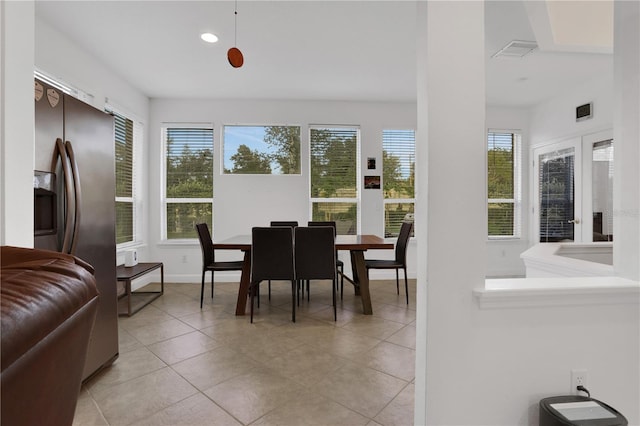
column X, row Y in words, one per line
column 74, row 195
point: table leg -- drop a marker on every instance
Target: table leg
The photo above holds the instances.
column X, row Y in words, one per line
column 243, row 291
column 361, row 277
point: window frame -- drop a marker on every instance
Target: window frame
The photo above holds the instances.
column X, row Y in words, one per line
column 517, row 184
column 164, row 200
column 357, row 199
column 386, row 200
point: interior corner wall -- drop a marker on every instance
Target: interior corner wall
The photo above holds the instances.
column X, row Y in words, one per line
column 454, row 80
column 626, row 180
column 17, row 118
column 492, row 366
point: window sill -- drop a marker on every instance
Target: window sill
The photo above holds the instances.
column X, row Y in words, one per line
column 561, row 291
column 184, row 242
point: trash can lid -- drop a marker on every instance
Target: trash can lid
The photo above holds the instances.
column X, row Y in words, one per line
column 581, row 410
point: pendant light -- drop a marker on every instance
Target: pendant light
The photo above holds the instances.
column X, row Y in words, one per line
column 234, row 55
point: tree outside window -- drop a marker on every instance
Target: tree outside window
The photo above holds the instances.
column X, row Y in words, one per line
column 334, row 176
column 264, row 150
column 398, row 175
column 189, row 180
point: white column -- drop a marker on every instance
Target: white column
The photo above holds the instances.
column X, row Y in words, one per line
column 16, row 123
column 452, row 205
column 626, row 181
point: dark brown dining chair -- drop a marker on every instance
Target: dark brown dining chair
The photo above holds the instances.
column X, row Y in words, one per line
column 400, row 260
column 272, row 259
column 315, row 256
column 208, row 258
column 290, row 223
column 339, row 263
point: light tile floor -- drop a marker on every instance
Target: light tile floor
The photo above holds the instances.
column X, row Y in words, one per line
column 180, row 365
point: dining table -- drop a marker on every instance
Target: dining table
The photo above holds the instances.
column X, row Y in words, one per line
column 355, row 244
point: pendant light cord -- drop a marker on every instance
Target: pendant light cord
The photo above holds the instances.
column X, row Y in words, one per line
column 235, row 24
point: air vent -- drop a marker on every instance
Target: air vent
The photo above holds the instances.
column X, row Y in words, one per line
column 516, row 48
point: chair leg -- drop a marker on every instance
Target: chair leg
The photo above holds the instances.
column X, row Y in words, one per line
column 397, row 282
column 308, row 290
column 202, row 289
column 212, row 284
column 294, row 295
column 258, row 290
column 406, row 285
column 269, row 289
column 333, row 295
column 251, row 294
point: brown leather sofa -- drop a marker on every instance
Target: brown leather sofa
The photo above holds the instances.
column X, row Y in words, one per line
column 48, row 306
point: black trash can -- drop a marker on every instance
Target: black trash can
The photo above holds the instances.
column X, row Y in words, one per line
column 577, row 410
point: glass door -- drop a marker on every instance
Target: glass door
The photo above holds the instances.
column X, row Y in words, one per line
column 557, row 185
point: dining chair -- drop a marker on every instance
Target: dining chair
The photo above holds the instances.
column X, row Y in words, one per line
column 272, row 259
column 400, row 260
column 315, row 256
column 208, row 258
column 339, row 263
column 290, row 223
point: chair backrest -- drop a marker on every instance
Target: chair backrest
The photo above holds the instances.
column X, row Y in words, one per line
column 272, row 253
column 315, row 253
column 331, row 223
column 403, row 242
column 291, row 223
column 206, row 244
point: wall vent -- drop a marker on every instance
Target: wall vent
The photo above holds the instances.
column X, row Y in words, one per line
column 516, row 48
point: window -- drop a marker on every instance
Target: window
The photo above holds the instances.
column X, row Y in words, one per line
column 188, row 189
column 263, row 150
column 398, row 177
column 503, row 184
column 335, row 174
column 125, row 206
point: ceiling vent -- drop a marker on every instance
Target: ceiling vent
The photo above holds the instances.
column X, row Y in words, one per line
column 516, row 48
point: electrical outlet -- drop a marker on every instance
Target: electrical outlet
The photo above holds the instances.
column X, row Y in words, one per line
column 578, row 378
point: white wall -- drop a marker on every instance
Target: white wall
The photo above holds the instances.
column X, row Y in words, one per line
column 243, row 201
column 503, row 255
column 16, row 123
column 626, row 180
column 492, row 366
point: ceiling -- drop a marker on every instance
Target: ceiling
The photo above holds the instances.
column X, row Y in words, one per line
column 325, row 50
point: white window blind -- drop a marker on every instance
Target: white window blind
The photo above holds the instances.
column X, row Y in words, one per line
column 398, row 176
column 503, row 184
column 334, row 153
column 128, row 134
column 188, row 188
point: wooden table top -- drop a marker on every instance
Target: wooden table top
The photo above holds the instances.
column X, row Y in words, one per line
column 343, row 242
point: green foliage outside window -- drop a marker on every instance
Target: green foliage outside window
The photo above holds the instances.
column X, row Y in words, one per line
column 189, row 175
column 501, row 184
column 333, row 163
column 262, row 150
column 124, row 178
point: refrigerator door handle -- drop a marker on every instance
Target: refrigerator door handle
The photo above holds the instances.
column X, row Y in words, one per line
column 68, row 195
column 78, row 197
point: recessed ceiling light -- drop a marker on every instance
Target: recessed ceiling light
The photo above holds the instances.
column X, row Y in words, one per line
column 209, row 38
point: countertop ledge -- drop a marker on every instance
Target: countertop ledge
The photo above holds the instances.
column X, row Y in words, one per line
column 509, row 293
